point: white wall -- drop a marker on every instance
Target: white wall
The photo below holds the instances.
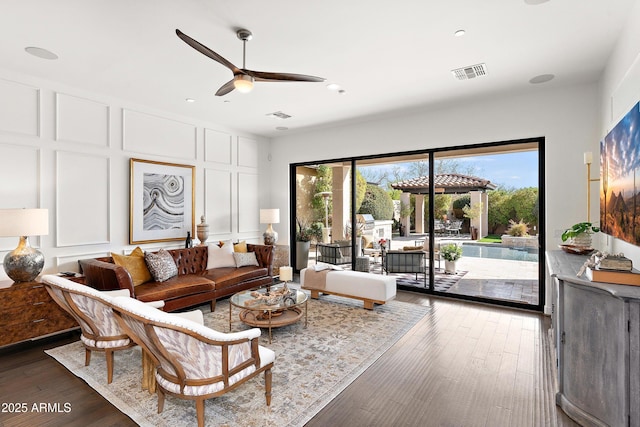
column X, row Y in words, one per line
column 620, row 90
column 68, row 150
column 566, row 117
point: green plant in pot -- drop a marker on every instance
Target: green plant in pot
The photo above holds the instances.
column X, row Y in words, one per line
column 451, row 254
column 580, row 234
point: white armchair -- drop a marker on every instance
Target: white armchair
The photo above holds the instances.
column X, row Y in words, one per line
column 92, row 310
column 194, row 362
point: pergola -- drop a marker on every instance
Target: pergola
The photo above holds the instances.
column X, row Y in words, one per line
column 448, row 183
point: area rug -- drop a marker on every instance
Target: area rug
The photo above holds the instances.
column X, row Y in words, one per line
column 442, row 281
column 313, row 365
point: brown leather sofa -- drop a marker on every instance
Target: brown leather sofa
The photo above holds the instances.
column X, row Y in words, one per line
column 193, row 285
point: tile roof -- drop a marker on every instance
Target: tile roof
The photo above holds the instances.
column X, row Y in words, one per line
column 447, row 183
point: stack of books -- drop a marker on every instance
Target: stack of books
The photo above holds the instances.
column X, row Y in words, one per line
column 615, row 269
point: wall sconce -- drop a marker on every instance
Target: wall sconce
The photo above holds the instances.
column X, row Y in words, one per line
column 270, row 216
column 24, row 263
column 588, row 159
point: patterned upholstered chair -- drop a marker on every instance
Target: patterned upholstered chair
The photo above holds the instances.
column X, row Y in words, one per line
column 92, row 310
column 192, row 361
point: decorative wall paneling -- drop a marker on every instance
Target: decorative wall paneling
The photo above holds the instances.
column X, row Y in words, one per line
column 218, row 146
column 82, row 199
column 81, row 120
column 218, row 206
column 19, row 109
column 20, row 171
column 70, row 262
column 248, row 204
column 159, row 136
column 247, row 152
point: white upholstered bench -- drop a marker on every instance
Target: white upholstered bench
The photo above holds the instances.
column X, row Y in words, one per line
column 370, row 288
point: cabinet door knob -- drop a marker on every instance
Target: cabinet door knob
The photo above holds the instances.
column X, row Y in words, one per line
column 562, row 336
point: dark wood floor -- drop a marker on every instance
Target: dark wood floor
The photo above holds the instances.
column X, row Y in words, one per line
column 462, row 365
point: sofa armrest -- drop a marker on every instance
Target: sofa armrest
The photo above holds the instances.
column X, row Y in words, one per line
column 264, row 255
column 106, row 276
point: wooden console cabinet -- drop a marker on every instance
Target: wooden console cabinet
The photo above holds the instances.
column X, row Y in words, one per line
column 27, row 311
column 596, row 330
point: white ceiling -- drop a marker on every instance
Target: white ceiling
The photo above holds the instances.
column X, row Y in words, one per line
column 387, row 55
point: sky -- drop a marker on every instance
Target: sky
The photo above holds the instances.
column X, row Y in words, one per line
column 510, row 170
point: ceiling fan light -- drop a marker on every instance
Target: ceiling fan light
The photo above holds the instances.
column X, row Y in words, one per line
column 243, row 83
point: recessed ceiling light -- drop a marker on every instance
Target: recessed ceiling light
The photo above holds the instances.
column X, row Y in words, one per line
column 282, row 128
column 40, row 52
column 333, row 86
column 542, row 78
column 342, row 92
column 459, row 33
column 279, row 115
column 190, row 100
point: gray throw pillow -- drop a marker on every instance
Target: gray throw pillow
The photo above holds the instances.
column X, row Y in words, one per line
column 245, row 258
column 161, row 265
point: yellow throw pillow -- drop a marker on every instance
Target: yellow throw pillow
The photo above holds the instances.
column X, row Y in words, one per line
column 135, row 265
column 240, row 247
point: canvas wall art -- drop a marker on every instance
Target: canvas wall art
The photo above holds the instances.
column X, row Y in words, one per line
column 162, row 201
column 620, row 179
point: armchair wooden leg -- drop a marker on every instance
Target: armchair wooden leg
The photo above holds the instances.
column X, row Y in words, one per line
column 87, row 357
column 200, row 412
column 213, row 305
column 315, row 294
column 160, row 400
column 267, row 385
column 109, row 357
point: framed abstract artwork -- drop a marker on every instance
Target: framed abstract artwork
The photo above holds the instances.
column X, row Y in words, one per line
column 620, row 179
column 162, row 201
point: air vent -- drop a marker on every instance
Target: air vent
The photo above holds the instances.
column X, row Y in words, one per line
column 278, row 115
column 470, row 72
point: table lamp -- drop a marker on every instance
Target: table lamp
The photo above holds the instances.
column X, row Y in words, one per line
column 24, row 263
column 270, row 216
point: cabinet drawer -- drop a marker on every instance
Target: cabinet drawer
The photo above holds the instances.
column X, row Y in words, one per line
column 23, row 331
column 29, row 313
column 23, row 294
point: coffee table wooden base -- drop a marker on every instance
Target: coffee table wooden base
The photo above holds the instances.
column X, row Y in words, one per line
column 260, row 319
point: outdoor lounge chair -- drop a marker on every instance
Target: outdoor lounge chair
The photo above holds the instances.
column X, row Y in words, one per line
column 454, row 227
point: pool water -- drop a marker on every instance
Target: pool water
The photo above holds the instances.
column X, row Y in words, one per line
column 499, row 252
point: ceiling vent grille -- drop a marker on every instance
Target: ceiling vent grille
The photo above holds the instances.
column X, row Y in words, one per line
column 470, row 72
column 279, row 115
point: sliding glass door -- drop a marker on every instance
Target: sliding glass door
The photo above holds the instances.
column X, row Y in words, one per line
column 473, row 211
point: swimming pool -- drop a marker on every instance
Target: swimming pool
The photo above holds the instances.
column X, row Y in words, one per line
column 500, row 252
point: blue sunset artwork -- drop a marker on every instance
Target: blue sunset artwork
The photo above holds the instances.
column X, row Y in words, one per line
column 163, row 202
column 620, row 179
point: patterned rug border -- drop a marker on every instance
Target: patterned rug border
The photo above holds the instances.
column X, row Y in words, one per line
column 76, row 364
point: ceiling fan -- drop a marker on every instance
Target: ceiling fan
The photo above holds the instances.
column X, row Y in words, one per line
column 243, row 78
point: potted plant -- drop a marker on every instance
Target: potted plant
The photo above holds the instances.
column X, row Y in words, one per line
column 303, row 239
column 580, row 234
column 451, row 254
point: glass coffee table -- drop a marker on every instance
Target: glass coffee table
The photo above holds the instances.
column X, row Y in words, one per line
column 257, row 309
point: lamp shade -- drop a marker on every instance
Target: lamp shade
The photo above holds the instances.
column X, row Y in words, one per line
column 24, row 222
column 286, row 274
column 269, row 216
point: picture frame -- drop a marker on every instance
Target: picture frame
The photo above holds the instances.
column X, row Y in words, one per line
column 162, row 201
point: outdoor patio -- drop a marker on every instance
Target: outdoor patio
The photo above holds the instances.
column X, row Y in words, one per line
column 508, row 280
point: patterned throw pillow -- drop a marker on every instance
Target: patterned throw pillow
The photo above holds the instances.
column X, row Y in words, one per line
column 135, row 265
column 245, row 258
column 161, row 265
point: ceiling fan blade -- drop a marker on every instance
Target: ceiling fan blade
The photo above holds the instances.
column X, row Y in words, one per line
column 264, row 76
column 225, row 88
column 208, row 52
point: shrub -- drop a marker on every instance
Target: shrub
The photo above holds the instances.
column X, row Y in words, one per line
column 518, row 229
column 377, row 202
